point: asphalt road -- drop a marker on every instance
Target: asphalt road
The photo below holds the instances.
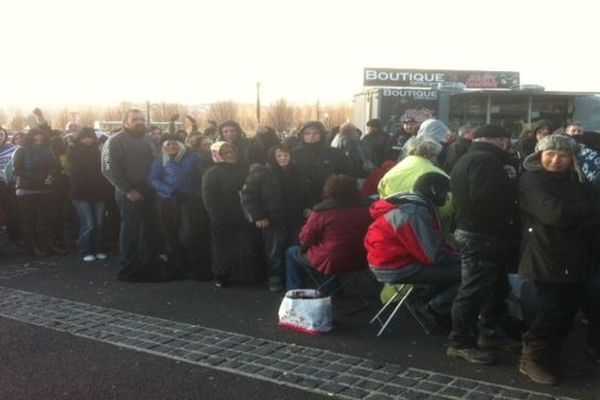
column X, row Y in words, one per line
column 42, row 363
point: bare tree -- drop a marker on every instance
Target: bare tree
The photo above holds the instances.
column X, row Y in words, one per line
column 62, row 117
column 3, row 118
column 247, row 118
column 116, row 113
column 280, row 115
column 162, row 112
column 87, row 117
column 18, row 121
column 223, row 111
column 304, row 113
column 338, row 114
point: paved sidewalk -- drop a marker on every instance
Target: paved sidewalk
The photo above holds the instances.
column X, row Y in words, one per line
column 85, row 301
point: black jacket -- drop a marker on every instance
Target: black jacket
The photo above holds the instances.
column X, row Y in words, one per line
column 456, row 150
column 377, row 143
column 86, row 181
column 274, row 193
column 559, row 222
column 221, row 185
column 484, row 195
column 315, row 163
column 262, row 196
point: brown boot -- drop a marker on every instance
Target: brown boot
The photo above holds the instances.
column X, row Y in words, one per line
column 534, row 366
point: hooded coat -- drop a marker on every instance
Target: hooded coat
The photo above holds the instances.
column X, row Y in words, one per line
column 560, row 219
column 232, row 246
column 315, row 162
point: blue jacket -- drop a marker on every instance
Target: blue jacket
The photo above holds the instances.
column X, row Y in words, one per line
column 176, row 177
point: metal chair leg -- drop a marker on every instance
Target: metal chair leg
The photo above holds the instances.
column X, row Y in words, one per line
column 395, row 311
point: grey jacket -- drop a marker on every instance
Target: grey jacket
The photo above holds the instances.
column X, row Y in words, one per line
column 126, row 159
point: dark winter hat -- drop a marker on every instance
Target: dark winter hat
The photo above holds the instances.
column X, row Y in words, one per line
column 409, row 120
column 542, row 123
column 490, row 131
column 314, row 125
column 434, row 187
column 374, row 123
column 86, row 132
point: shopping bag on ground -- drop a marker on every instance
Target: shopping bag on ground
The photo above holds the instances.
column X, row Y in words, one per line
column 307, row 311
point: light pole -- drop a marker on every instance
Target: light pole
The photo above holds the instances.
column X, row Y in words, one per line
column 258, row 102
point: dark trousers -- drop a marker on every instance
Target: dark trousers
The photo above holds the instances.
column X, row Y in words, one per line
column 484, row 286
column 443, row 280
column 591, row 309
column 36, row 212
column 559, row 302
column 138, row 254
column 10, row 207
column 185, row 248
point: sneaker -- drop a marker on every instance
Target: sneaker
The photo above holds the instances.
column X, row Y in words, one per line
column 472, row 355
column 220, row 282
column 89, row 258
column 101, row 256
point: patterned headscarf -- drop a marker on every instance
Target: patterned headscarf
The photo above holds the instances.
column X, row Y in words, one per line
column 215, row 150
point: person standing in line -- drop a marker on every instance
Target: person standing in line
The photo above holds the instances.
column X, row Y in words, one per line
column 316, row 161
column 560, row 216
column 35, row 168
column 273, row 203
column 459, row 147
column 232, row 249
column 126, row 159
column 174, row 177
column 89, row 191
column 484, row 194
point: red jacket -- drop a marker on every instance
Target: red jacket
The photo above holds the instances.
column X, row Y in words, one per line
column 406, row 231
column 333, row 236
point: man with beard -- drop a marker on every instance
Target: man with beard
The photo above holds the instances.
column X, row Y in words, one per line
column 126, row 159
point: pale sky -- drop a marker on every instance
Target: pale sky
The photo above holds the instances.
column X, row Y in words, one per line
column 66, row 52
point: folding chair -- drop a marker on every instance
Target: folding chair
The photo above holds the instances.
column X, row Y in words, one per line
column 402, row 291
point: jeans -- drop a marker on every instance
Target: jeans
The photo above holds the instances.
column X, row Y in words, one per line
column 295, row 265
column 138, row 250
column 274, row 242
column 484, row 286
column 91, row 221
column 298, row 268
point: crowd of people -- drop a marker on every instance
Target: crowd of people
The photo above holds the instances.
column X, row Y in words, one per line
column 453, row 214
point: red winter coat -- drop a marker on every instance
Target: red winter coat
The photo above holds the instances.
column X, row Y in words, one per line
column 406, row 231
column 333, row 236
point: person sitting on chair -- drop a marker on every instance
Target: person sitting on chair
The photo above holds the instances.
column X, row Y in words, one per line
column 405, row 244
column 331, row 238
